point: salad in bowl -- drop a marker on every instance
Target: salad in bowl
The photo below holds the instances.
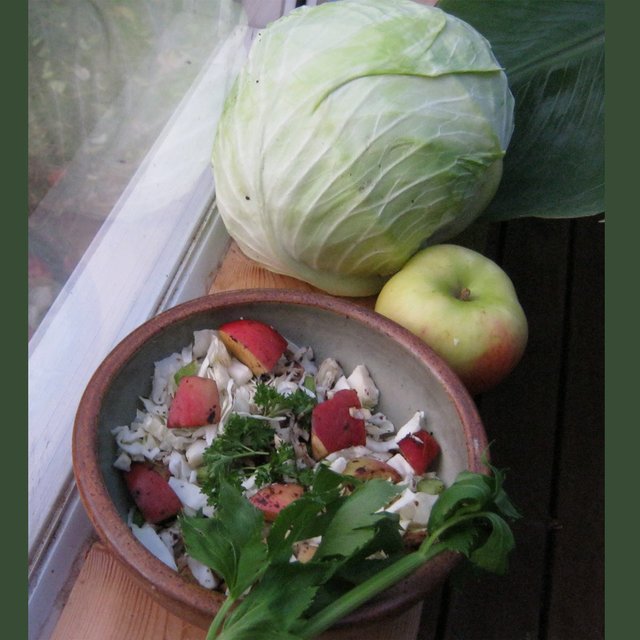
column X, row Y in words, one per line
column 243, row 404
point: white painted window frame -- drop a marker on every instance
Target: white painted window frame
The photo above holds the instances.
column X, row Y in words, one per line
column 123, row 279
column 159, row 246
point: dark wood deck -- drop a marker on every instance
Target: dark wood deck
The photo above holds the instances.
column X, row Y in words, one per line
column 546, row 424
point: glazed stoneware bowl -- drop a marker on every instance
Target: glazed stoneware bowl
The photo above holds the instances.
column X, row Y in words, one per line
column 409, row 374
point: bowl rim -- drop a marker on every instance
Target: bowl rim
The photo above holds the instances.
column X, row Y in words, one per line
column 192, row 601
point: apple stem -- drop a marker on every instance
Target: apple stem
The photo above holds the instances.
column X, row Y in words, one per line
column 465, row 294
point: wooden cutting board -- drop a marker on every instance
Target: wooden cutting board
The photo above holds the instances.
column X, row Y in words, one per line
column 105, row 603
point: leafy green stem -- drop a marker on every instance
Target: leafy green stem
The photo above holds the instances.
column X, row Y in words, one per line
column 360, row 594
column 470, row 517
column 220, row 617
column 381, row 581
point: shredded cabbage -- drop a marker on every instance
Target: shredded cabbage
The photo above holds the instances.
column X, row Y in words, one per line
column 181, row 451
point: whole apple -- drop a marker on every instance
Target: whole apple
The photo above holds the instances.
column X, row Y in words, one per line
column 465, row 307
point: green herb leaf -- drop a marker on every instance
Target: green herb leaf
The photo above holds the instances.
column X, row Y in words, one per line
column 305, row 518
column 310, row 515
column 462, row 539
column 472, row 493
column 501, row 500
column 272, row 403
column 493, row 553
column 231, row 542
column 248, row 446
column 281, row 464
column 356, row 521
column 235, row 454
column 292, row 583
column 468, row 494
column 469, row 519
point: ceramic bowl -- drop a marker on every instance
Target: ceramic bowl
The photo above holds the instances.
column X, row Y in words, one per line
column 409, row 375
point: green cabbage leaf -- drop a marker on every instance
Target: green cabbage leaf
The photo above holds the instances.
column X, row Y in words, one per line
column 553, row 55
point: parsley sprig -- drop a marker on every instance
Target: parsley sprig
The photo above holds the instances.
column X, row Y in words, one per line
column 297, row 404
column 470, row 517
column 248, row 445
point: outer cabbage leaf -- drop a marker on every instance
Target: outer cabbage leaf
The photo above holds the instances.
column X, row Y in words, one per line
column 356, row 132
column 553, row 54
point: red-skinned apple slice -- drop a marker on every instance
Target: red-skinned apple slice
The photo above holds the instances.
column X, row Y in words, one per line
column 152, row 494
column 256, row 344
column 333, row 427
column 196, row 403
column 273, row 498
column 420, row 449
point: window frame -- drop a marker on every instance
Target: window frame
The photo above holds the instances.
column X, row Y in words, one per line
column 186, row 242
column 142, row 259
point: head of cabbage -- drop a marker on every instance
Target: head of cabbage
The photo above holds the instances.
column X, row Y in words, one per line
column 357, row 132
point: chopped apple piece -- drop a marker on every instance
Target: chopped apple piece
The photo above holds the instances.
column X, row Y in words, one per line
column 304, row 550
column 256, row 344
column 196, row 403
column 333, row 427
column 413, row 538
column 273, row 498
column 419, row 449
column 369, row 468
column 152, row 494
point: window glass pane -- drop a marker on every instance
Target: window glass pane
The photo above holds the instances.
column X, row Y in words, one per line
column 105, row 76
column 124, row 99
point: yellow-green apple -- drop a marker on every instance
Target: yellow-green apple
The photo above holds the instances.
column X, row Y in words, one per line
column 195, row 403
column 254, row 343
column 272, row 498
column 465, row 307
column 333, row 427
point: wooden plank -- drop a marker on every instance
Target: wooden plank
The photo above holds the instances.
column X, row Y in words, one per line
column 576, row 598
column 520, row 418
column 238, row 272
column 107, row 604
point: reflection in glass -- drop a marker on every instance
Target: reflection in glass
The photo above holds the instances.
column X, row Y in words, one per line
column 105, row 76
